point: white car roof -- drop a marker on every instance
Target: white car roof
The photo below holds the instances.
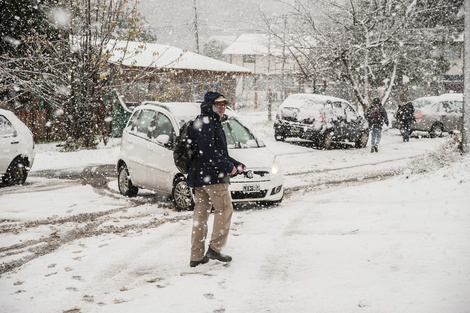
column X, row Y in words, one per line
column 443, row 97
column 184, row 110
column 295, row 100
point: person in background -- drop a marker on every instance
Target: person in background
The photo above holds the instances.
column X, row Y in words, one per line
column 376, row 116
column 210, row 178
column 405, row 116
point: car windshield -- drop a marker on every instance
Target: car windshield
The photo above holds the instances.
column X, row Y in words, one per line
column 238, row 136
column 421, row 103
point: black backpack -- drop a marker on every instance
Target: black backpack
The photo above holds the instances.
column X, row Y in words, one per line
column 184, row 151
column 374, row 115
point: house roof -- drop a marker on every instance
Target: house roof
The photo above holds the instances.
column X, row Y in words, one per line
column 139, row 54
column 249, row 44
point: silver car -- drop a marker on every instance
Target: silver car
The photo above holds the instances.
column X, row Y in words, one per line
column 146, row 156
column 16, row 149
column 438, row 114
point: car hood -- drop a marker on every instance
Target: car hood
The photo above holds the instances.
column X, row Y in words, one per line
column 254, row 158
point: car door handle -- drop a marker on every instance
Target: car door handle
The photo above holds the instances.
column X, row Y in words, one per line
column 15, row 142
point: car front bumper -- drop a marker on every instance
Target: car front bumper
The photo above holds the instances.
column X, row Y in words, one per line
column 269, row 188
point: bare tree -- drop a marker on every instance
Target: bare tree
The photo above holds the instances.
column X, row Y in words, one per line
column 70, row 71
column 466, row 108
column 371, row 45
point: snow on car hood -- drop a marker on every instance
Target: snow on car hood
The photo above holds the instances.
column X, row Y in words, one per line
column 254, row 158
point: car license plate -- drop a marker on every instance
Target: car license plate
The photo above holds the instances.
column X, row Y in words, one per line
column 251, row 188
column 295, row 130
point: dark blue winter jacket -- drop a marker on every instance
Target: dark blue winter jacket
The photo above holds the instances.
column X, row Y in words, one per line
column 213, row 164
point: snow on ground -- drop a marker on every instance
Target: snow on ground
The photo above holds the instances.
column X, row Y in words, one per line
column 395, row 245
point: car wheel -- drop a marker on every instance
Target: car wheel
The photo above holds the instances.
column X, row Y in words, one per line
column 362, row 142
column 327, row 140
column 436, row 130
column 181, row 194
column 126, row 188
column 279, row 137
column 16, row 173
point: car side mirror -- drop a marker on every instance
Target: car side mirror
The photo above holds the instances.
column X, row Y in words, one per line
column 163, row 139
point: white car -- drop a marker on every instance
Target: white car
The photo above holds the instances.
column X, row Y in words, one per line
column 16, row 149
column 146, row 156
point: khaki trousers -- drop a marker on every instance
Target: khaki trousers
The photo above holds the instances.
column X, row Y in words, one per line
column 205, row 197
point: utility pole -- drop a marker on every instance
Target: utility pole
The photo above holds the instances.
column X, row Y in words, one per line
column 269, row 79
column 196, row 32
column 466, row 81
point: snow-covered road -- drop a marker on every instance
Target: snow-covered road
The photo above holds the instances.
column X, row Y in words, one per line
column 343, row 239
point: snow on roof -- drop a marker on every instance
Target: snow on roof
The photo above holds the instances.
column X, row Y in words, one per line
column 153, row 55
column 249, row 44
column 226, row 39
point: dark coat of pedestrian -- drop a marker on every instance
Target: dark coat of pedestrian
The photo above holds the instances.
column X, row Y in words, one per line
column 210, row 177
column 405, row 116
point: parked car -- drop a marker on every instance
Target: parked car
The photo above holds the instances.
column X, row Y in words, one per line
column 438, row 114
column 146, row 156
column 321, row 119
column 16, row 149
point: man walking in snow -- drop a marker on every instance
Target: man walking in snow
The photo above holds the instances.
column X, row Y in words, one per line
column 405, row 117
column 209, row 176
column 376, row 116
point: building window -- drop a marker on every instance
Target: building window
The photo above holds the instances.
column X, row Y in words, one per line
column 249, row 58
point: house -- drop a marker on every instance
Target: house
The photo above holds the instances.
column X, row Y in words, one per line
column 273, row 72
column 148, row 71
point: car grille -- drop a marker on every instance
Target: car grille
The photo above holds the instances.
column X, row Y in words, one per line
column 248, row 195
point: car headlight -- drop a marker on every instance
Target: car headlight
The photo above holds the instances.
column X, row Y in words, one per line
column 275, row 169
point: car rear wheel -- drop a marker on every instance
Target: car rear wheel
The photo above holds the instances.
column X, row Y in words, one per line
column 16, row 173
column 126, row 188
column 181, row 194
column 362, row 142
column 436, row 130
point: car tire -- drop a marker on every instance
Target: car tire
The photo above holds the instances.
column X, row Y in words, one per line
column 126, row 188
column 436, row 130
column 279, row 137
column 16, row 173
column 362, row 142
column 327, row 140
column 181, row 194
